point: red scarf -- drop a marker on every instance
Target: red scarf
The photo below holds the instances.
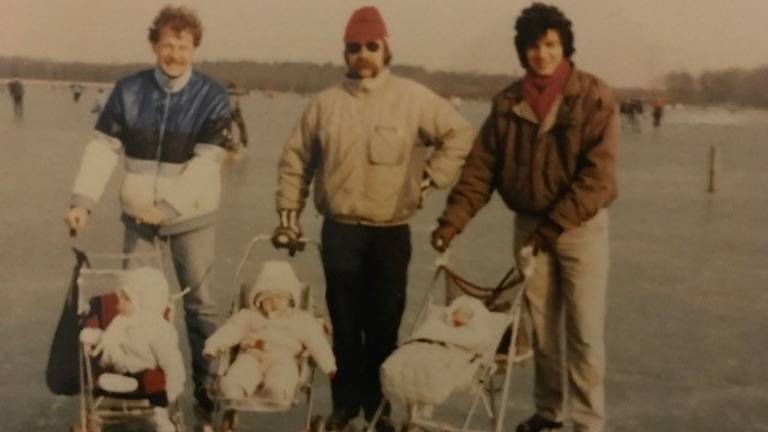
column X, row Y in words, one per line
column 541, row 91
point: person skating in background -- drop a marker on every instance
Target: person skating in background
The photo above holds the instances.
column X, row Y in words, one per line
column 373, row 145
column 238, row 139
column 171, row 124
column 549, row 147
column 98, row 103
column 658, row 111
column 77, row 91
column 631, row 109
column 16, row 90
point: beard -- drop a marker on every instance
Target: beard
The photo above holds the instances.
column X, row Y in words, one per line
column 360, row 65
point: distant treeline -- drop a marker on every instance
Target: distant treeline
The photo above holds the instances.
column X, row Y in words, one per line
column 730, row 86
column 281, row 77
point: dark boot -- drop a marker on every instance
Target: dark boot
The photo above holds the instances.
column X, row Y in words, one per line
column 339, row 420
column 537, row 423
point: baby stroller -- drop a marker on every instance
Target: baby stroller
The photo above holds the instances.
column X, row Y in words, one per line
column 508, row 345
column 260, row 401
column 130, row 396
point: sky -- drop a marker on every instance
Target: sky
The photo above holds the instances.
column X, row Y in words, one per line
column 626, row 42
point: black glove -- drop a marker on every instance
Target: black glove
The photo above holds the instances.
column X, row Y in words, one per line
column 545, row 236
column 442, row 236
column 288, row 234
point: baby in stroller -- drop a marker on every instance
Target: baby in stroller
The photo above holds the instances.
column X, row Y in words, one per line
column 439, row 357
column 140, row 345
column 271, row 331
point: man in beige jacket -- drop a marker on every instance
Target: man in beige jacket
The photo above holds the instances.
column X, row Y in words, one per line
column 373, row 145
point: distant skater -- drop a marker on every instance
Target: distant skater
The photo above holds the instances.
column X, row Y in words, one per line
column 630, row 109
column 98, row 103
column 16, row 89
column 658, row 111
column 77, row 91
column 237, row 141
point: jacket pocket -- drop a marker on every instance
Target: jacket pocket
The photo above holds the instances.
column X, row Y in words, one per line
column 387, row 146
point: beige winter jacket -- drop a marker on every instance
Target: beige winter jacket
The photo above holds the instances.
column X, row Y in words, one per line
column 367, row 144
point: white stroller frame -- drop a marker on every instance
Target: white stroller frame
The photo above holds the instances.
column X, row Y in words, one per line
column 257, row 402
column 96, row 411
column 484, row 390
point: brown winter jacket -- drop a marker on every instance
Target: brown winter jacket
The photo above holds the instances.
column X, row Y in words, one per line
column 564, row 170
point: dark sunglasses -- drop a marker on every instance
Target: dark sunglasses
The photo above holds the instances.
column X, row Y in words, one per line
column 356, row 47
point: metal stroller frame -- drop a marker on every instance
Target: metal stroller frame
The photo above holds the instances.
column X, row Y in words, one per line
column 94, row 411
column 507, row 296
column 256, row 402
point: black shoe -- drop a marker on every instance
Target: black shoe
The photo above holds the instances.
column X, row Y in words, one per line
column 203, row 401
column 203, row 411
column 338, row 420
column 384, row 425
column 537, row 423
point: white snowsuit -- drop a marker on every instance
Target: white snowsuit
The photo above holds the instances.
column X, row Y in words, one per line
column 436, row 359
column 283, row 336
column 145, row 339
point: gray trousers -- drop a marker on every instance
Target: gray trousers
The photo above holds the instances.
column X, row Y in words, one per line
column 567, row 291
column 192, row 256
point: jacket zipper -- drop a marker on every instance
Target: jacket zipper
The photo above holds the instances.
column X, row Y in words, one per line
column 160, row 144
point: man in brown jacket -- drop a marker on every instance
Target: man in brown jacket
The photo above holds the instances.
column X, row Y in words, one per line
column 549, row 148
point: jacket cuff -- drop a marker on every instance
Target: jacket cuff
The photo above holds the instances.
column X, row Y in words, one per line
column 82, row 201
column 457, row 223
column 549, row 230
column 169, row 211
column 437, row 180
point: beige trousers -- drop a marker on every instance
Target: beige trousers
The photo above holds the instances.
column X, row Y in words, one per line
column 567, row 291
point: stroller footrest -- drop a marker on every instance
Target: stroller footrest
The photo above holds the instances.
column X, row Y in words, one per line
column 116, row 383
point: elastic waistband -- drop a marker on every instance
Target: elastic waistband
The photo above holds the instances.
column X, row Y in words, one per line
column 163, row 169
column 349, row 220
column 184, row 226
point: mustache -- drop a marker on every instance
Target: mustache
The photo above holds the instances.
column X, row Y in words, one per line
column 174, row 61
column 362, row 63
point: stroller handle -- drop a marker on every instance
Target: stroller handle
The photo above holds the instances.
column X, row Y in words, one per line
column 526, row 264
column 443, row 258
column 261, row 238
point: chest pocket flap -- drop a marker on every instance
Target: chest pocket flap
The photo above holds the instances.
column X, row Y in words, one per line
column 386, row 146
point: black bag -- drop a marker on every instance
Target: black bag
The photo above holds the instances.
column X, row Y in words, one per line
column 62, row 375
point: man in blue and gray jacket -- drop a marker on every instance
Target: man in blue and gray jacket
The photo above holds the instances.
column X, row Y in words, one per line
column 172, row 124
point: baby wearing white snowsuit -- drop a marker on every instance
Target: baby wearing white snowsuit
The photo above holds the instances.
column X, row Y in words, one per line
column 426, row 368
column 271, row 333
column 140, row 337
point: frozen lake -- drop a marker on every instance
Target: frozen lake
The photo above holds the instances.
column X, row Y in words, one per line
column 687, row 300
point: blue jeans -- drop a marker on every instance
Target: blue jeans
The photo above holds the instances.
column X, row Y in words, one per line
column 192, row 256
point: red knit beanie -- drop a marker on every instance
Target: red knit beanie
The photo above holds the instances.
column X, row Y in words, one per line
column 365, row 25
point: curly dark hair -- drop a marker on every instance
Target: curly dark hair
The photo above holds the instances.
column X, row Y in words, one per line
column 534, row 21
column 179, row 19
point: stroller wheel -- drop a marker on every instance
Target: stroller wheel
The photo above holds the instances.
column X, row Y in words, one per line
column 92, row 426
column 317, row 424
column 228, row 421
